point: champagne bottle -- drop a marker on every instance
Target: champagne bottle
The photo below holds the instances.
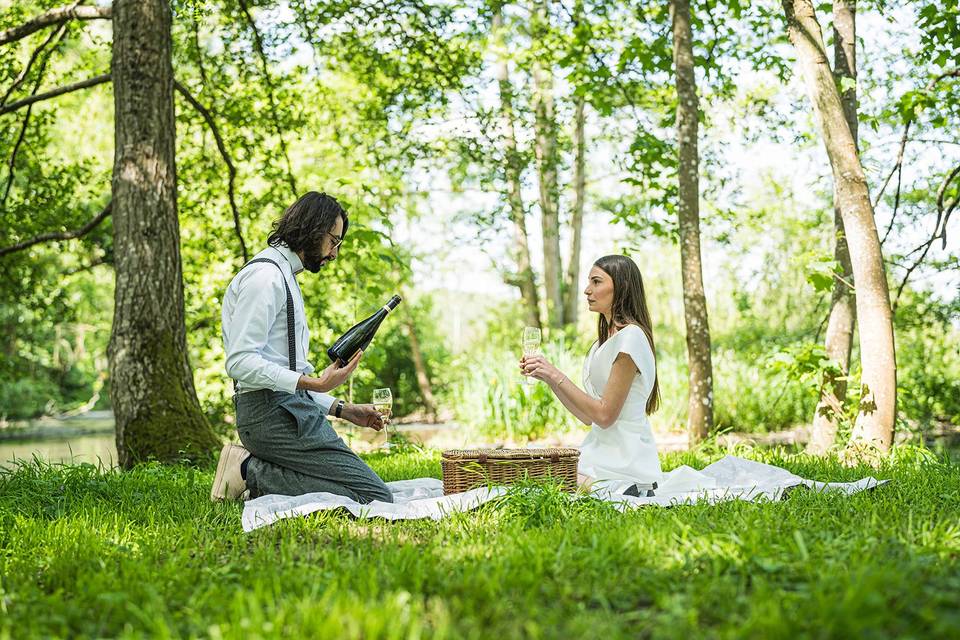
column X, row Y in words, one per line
column 359, row 335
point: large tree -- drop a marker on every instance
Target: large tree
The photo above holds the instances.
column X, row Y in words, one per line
column 157, row 412
column 843, row 308
column 154, row 401
column 877, row 409
column 545, row 151
column 523, row 276
column 700, row 392
column 571, row 291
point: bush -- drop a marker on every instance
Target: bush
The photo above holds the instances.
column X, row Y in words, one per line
column 928, row 359
column 26, row 398
column 492, row 398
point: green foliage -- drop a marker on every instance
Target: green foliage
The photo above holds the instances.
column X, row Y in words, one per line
column 928, row 362
column 87, row 552
column 389, row 360
column 491, row 397
column 55, row 336
column 753, row 397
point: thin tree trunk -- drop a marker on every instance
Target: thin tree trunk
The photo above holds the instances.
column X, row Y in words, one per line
column 877, row 409
column 700, row 399
column 843, row 303
column 157, row 412
column 513, row 167
column 572, row 288
column 546, row 155
column 423, row 380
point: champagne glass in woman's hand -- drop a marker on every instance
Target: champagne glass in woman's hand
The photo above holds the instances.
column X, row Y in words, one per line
column 531, row 346
column 383, row 403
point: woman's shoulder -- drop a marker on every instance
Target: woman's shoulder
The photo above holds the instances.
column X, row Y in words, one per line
column 633, row 334
column 629, row 330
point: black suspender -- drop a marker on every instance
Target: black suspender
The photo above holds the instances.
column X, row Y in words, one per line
column 291, row 329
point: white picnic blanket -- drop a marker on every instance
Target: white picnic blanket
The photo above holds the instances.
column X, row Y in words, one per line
column 730, row 478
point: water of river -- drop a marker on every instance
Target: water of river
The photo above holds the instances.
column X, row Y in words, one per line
column 90, row 439
column 95, row 449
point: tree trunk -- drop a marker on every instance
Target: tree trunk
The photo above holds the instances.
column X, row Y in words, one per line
column 700, row 398
column 423, row 380
column 546, row 155
column 513, row 168
column 157, row 412
column 572, row 288
column 877, row 409
column 843, row 309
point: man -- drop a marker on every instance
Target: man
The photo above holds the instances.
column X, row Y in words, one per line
column 289, row 446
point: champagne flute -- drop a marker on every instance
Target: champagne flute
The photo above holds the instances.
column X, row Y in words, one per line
column 531, row 346
column 383, row 404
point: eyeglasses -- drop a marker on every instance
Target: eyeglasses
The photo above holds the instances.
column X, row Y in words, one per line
column 337, row 240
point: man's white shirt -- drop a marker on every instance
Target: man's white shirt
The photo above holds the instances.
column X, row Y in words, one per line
column 254, row 324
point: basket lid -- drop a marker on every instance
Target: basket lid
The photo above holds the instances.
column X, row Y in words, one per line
column 511, row 454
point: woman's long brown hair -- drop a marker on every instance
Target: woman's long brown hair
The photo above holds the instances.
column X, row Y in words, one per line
column 629, row 307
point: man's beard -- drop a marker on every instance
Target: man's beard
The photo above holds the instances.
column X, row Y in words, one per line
column 313, row 261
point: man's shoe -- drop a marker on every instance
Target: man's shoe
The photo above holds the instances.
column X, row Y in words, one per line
column 228, row 483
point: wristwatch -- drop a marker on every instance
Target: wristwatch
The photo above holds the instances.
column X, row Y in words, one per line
column 336, row 412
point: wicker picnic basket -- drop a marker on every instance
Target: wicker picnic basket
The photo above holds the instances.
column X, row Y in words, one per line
column 465, row 469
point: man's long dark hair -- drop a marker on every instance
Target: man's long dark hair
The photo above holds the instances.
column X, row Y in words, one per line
column 304, row 224
column 629, row 307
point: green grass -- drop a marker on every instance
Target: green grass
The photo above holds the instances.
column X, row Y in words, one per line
column 91, row 553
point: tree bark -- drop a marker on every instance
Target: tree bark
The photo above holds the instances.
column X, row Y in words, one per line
column 843, row 303
column 546, row 156
column 700, row 394
column 513, row 167
column 877, row 409
column 157, row 412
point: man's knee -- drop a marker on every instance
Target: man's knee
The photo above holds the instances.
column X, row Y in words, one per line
column 381, row 494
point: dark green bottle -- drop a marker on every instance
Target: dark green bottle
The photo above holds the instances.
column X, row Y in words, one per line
column 359, row 335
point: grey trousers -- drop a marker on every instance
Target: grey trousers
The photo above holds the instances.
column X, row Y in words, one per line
column 295, row 450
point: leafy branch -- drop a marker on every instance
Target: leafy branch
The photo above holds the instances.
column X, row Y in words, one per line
column 231, row 169
column 60, row 235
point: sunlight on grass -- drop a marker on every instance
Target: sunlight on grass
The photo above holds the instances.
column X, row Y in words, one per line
column 93, row 552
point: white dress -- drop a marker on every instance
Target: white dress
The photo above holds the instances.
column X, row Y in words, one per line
column 624, row 451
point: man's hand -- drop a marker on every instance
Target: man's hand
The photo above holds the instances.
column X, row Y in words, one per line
column 331, row 377
column 335, row 375
column 363, row 415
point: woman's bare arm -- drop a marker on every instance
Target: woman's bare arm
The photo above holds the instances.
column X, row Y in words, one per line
column 603, row 411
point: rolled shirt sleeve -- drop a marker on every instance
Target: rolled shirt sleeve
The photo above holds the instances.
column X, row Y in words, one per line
column 323, row 400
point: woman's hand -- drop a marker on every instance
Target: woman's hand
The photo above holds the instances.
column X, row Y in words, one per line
column 541, row 369
column 363, row 415
column 335, row 375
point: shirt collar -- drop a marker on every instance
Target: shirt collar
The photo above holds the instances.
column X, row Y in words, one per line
column 295, row 263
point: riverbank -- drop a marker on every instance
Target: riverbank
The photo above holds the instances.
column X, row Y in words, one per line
column 89, row 437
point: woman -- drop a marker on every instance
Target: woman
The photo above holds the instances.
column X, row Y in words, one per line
column 619, row 379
